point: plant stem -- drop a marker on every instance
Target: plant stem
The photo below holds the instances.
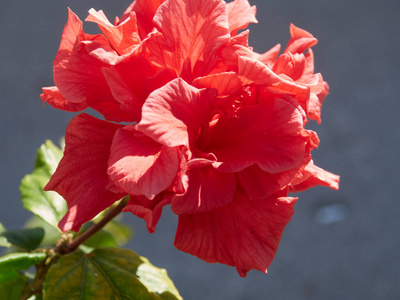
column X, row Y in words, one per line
column 36, row 286
column 74, row 244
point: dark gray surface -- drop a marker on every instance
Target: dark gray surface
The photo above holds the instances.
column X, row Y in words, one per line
column 354, row 258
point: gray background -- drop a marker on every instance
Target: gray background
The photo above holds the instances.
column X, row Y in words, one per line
column 339, row 245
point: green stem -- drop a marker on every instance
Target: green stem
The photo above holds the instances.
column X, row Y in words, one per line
column 36, row 286
column 75, row 243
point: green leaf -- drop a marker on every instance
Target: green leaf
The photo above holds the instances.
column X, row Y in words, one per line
column 11, row 287
column 49, row 206
column 114, row 234
column 107, row 273
column 28, row 239
column 20, row 261
column 51, row 235
column 3, row 240
column 48, row 156
column 36, row 297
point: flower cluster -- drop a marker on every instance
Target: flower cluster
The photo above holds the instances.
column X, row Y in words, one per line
column 193, row 118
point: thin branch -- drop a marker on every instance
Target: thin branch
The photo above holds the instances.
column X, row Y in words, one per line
column 75, row 243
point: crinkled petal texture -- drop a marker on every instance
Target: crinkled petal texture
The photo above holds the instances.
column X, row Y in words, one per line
column 149, row 210
column 81, row 176
column 141, row 166
column 78, row 70
column 173, row 114
column 245, row 234
column 189, row 31
column 268, row 134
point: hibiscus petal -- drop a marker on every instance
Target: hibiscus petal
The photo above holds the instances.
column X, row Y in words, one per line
column 149, row 210
column 78, row 74
column 53, row 96
column 254, row 71
column 173, row 114
column 269, row 134
column 226, row 83
column 291, row 65
column 192, row 29
column 312, row 176
column 245, row 234
column 300, row 40
column 145, row 10
column 123, row 37
column 259, row 184
column 140, row 165
column 81, row 176
column 208, row 189
column 240, row 14
column 268, row 58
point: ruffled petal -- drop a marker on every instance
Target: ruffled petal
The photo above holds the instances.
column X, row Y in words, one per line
column 173, row 114
column 259, row 184
column 268, row 58
column 245, row 234
column 145, row 10
column 123, row 37
column 81, row 176
column 226, row 83
column 78, row 70
column 240, row 15
column 141, row 166
column 191, row 30
column 269, row 134
column 53, row 96
column 149, row 210
column 254, row 71
column 312, row 176
column 208, row 189
column 300, row 40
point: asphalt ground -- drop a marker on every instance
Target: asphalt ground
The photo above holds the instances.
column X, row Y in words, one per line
column 339, row 245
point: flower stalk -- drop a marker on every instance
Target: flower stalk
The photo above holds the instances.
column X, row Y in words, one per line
column 65, row 247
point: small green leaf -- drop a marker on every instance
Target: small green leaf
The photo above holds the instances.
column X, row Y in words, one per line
column 20, row 261
column 3, row 240
column 11, row 287
column 101, row 239
column 36, row 297
column 28, row 239
column 51, row 235
column 48, row 156
column 107, row 273
column 121, row 233
column 49, row 206
column 114, row 234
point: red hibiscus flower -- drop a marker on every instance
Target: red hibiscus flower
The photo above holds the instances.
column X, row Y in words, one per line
column 214, row 129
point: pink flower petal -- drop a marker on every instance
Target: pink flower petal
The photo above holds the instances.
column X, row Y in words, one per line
column 225, row 83
column 191, row 30
column 53, row 96
column 269, row 134
column 145, row 10
column 245, row 234
column 78, row 74
column 81, row 177
column 240, row 14
column 149, row 210
column 312, row 176
column 300, row 40
column 259, row 184
column 123, row 37
column 173, row 114
column 208, row 189
column 140, row 165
